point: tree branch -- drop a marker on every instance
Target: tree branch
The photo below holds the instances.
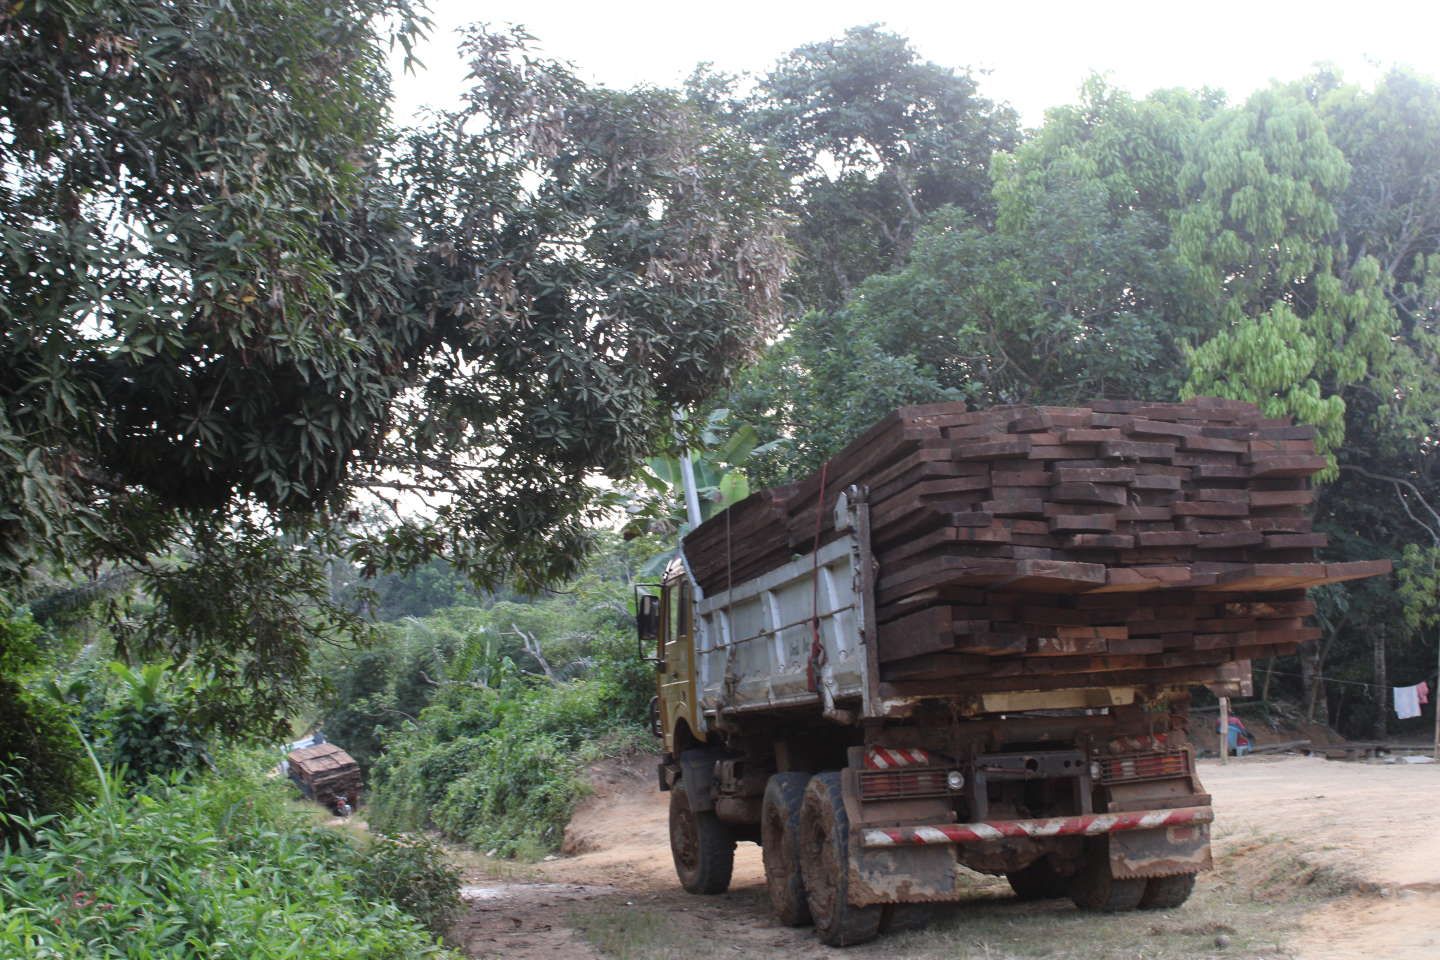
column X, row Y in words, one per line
column 1399, row 482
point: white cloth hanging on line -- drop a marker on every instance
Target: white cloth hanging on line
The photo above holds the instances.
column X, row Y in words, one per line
column 1408, row 699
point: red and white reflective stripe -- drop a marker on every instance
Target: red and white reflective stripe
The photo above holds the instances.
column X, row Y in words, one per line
column 887, row 758
column 1089, row 825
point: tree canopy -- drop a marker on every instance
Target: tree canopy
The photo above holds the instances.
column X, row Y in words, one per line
column 237, row 300
column 1280, row 250
column 874, row 138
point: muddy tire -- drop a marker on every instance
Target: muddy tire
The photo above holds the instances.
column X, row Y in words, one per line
column 1093, row 888
column 1039, row 881
column 825, row 867
column 1167, row 893
column 780, row 847
column 702, row 846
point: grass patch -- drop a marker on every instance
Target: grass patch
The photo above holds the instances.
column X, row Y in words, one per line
column 636, row 933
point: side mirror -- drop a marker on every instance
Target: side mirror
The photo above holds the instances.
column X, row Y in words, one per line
column 647, row 623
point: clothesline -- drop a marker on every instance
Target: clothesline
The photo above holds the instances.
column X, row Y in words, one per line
column 1353, row 683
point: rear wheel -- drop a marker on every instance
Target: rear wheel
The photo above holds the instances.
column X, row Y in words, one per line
column 1039, row 881
column 1167, row 893
column 780, row 847
column 825, row 867
column 1094, row 888
column 702, row 846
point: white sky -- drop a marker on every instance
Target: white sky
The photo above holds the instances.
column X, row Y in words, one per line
column 1037, row 52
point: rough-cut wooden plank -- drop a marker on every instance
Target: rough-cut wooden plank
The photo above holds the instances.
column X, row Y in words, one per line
column 1063, row 474
column 1209, row 508
column 1214, row 444
column 1161, row 428
column 1094, row 541
column 1067, row 646
column 1292, row 541
column 993, row 449
column 1267, row 465
column 1225, row 541
column 1221, row 471
column 924, row 631
column 1281, row 498
column 1083, row 523
column 1137, row 450
column 1089, row 493
column 1220, row 495
column 1167, row 538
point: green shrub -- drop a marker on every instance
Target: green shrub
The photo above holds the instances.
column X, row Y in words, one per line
column 411, row 871
column 217, row 867
column 150, row 730
column 47, row 770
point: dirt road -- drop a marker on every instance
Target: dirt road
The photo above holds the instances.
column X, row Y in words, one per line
column 1316, row 860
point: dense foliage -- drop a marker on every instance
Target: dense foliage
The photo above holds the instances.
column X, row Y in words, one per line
column 235, row 300
column 501, row 768
column 477, row 720
column 218, row 868
column 874, row 139
column 1282, row 250
column 43, row 766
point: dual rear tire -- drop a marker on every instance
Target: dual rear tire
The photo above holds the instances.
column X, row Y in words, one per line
column 780, row 847
column 1093, row 888
column 825, row 867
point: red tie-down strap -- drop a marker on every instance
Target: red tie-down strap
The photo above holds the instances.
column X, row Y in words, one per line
column 816, row 659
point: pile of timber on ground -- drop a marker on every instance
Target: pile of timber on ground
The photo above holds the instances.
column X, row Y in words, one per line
column 1044, row 546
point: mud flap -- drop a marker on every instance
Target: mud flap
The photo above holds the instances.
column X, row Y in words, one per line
column 911, row 874
column 1165, row 852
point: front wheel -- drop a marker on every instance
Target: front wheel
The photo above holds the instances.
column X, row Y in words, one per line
column 825, row 867
column 703, row 847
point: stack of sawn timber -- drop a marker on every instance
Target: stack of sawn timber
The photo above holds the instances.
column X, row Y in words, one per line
column 1042, row 547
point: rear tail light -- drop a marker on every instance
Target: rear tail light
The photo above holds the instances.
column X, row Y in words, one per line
column 904, row 784
column 1144, row 766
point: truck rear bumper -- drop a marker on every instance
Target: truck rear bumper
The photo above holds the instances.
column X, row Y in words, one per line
column 1089, row 825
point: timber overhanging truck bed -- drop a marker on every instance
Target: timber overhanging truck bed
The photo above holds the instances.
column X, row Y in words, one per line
column 968, row 641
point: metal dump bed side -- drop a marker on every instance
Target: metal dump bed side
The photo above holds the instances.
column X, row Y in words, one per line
column 800, row 634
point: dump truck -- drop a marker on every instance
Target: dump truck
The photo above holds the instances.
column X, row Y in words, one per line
column 953, row 648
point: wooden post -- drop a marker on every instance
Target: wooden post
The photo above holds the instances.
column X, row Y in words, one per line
column 1224, row 729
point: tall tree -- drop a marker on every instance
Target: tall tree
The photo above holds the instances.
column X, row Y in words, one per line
column 233, row 299
column 1073, row 290
column 876, row 138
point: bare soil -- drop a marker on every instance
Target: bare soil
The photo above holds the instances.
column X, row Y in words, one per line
column 1316, row 860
